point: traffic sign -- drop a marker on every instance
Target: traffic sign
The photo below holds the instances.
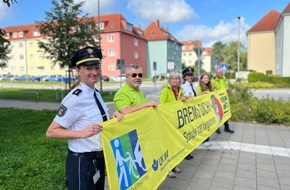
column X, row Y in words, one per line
column 215, row 64
column 224, row 67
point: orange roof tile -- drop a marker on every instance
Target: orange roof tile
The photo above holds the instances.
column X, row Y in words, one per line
column 287, row 9
column 268, row 22
column 155, row 32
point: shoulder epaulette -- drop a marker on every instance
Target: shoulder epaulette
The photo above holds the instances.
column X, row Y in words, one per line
column 77, row 92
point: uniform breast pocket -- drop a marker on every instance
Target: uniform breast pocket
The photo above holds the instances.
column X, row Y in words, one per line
column 94, row 115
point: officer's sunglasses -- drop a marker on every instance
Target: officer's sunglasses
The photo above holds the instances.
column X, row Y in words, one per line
column 134, row 75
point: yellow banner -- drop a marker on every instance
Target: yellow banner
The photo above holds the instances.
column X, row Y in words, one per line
column 141, row 149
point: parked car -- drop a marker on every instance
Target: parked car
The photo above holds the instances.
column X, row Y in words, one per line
column 36, row 78
column 105, row 78
column 21, row 78
column 53, row 78
column 160, row 76
column 118, row 78
column 6, row 77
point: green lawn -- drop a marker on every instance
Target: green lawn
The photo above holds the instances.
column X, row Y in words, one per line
column 28, row 159
column 44, row 95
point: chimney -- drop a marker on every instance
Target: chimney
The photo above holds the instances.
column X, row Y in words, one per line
column 157, row 22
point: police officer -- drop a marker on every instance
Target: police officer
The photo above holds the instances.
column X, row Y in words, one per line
column 78, row 120
column 188, row 89
column 188, row 86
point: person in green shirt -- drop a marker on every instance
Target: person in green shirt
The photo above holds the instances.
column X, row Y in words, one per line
column 130, row 98
column 219, row 82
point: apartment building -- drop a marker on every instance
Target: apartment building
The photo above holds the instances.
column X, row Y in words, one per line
column 189, row 56
column 268, row 42
column 163, row 48
column 25, row 57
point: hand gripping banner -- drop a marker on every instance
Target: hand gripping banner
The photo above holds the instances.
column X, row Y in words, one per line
column 141, row 149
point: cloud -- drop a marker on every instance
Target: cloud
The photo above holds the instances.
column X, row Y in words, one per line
column 224, row 32
column 5, row 14
column 91, row 7
column 166, row 11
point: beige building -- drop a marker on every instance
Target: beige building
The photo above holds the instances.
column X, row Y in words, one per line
column 26, row 58
column 189, row 57
column 268, row 42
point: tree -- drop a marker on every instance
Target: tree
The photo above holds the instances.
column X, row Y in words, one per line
column 217, row 51
column 4, row 44
column 65, row 33
column 4, row 49
column 230, row 55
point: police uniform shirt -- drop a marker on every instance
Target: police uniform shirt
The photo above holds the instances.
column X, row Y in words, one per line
column 78, row 110
column 187, row 89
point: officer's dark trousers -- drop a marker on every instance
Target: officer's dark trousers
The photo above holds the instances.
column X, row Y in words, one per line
column 80, row 171
column 227, row 126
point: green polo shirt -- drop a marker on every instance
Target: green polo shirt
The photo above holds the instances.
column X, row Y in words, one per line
column 127, row 97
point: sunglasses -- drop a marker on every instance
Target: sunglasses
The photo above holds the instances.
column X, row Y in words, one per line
column 134, row 75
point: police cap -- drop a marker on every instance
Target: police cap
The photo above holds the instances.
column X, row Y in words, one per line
column 188, row 71
column 87, row 56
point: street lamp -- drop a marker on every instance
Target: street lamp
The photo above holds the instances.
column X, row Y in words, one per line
column 99, row 44
column 239, row 48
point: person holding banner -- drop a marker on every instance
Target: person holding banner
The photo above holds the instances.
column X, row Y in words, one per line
column 78, row 120
column 170, row 93
column 204, row 87
column 188, row 89
column 219, row 82
column 130, row 98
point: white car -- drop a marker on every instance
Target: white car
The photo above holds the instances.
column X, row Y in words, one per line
column 118, row 78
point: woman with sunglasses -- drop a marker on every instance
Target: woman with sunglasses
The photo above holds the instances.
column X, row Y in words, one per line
column 170, row 93
column 130, row 98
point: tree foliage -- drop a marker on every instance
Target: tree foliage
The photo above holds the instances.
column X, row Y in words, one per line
column 4, row 49
column 4, row 44
column 228, row 53
column 65, row 31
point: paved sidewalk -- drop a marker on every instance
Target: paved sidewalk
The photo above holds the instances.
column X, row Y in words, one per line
column 254, row 157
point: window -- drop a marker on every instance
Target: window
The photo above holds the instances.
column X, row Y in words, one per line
column 135, row 42
column 36, row 33
column 32, row 68
column 31, row 57
column 21, row 57
column 184, row 54
column 111, row 52
column 136, row 55
column 129, row 27
column 7, row 35
column 20, row 45
column 31, row 44
column 14, row 34
column 111, row 66
column 111, row 38
column 21, row 34
column 22, row 68
column 100, row 25
column 41, row 56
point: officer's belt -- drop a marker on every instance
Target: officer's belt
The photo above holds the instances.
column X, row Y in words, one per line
column 95, row 154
